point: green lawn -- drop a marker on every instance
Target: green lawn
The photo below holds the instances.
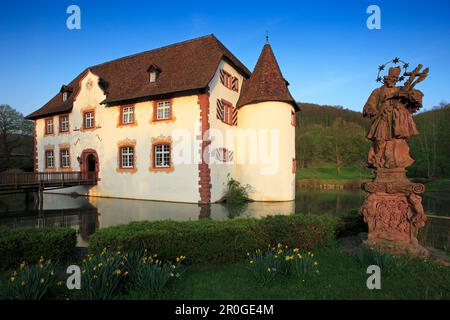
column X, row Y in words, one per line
column 328, row 174
column 341, row 277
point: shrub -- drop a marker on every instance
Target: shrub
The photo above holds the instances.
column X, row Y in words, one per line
column 30, row 282
column 206, row 241
column 27, row 244
column 236, row 193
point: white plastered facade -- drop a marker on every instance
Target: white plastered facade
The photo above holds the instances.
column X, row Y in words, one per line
column 182, row 183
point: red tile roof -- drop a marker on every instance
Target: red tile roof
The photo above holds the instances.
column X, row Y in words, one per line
column 266, row 82
column 184, row 67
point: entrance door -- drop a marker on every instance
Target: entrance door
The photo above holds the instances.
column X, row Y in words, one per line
column 89, row 164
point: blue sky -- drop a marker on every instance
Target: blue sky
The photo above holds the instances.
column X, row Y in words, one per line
column 324, row 48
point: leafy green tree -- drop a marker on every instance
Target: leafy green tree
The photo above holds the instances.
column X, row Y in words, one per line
column 13, row 129
column 431, row 148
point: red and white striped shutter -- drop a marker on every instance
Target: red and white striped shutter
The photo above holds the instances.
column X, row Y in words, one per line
column 235, row 84
column 219, row 110
column 235, row 116
column 222, row 77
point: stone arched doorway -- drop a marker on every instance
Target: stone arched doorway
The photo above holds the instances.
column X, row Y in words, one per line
column 89, row 163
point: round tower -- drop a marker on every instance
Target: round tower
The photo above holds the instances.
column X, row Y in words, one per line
column 266, row 132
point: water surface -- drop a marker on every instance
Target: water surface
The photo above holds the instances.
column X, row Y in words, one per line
column 88, row 214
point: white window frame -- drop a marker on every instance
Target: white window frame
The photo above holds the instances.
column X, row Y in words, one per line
column 49, row 158
column 65, row 158
column 64, row 125
column 64, row 96
column 128, row 115
column 153, row 75
column 163, row 110
column 89, row 119
column 162, row 155
column 49, row 126
column 127, row 157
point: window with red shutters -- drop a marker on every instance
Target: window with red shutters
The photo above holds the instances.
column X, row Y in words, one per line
column 229, row 81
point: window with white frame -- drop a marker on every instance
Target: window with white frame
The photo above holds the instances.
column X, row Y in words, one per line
column 65, row 96
column 49, row 159
column 64, row 123
column 127, row 157
column 89, row 120
column 163, row 110
column 162, row 156
column 49, row 126
column 65, row 158
column 153, row 75
column 127, row 115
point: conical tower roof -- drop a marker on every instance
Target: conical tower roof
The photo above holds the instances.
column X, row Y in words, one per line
column 266, row 82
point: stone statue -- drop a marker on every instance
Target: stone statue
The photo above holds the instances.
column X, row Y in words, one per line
column 393, row 208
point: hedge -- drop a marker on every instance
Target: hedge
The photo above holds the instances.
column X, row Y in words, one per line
column 206, row 241
column 27, row 244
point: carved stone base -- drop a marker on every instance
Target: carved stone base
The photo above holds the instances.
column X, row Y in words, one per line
column 397, row 248
column 394, row 213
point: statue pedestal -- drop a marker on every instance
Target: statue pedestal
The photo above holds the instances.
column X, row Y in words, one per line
column 394, row 213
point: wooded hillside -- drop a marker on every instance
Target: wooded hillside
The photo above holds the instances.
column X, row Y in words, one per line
column 335, row 136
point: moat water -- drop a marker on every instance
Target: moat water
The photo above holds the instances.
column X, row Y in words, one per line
column 88, row 214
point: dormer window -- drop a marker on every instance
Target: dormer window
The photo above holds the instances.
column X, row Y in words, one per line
column 152, row 76
column 153, row 72
column 65, row 90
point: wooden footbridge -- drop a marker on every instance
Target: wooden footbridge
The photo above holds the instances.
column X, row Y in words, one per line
column 34, row 183
column 45, row 180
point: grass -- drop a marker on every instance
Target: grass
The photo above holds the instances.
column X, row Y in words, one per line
column 327, row 174
column 341, row 277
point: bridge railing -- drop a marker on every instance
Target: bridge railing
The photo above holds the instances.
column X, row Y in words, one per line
column 44, row 179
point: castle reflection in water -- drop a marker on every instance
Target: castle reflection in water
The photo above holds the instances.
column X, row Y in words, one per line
column 87, row 215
